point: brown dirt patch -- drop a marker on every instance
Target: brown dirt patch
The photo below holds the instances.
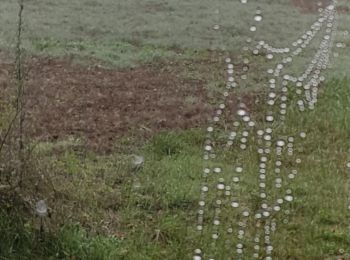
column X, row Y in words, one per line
column 155, row 7
column 310, row 6
column 103, row 105
column 343, row 9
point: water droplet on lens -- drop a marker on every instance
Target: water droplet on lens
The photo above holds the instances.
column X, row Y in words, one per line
column 288, row 198
column 241, row 112
column 269, row 118
column 208, row 148
column 220, row 186
column 41, row 208
column 235, row 204
column 253, row 28
column 277, row 208
column 217, row 170
column 280, row 143
column 258, row 18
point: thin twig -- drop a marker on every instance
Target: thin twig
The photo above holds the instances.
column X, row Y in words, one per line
column 19, row 75
column 19, row 78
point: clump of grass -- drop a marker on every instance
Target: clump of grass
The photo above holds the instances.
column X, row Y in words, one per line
column 20, row 240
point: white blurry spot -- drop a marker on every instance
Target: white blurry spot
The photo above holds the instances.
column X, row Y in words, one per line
column 216, row 27
column 241, row 112
column 41, row 208
column 330, row 7
column 258, row 18
column 280, row 143
column 208, row 148
column 288, row 198
column 138, row 161
column 234, row 204
column 269, row 118
column 220, row 186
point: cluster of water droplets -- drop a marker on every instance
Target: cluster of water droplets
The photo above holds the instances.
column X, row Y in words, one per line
column 234, row 222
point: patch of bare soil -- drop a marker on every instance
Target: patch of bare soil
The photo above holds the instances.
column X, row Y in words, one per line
column 103, row 105
column 155, row 7
column 310, row 6
column 343, row 9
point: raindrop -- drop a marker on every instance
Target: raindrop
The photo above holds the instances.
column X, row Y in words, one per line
column 288, row 198
column 239, row 169
column 269, row 118
column 235, row 204
column 217, row 170
column 197, row 251
column 280, row 143
column 220, row 186
column 241, row 112
column 41, row 208
column 216, row 27
column 258, row 17
column 208, row 148
column 253, row 28
column 277, row 208
column 269, row 56
column 137, row 161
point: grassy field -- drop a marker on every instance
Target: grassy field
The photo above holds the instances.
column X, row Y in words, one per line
column 127, row 32
column 104, row 208
column 155, row 220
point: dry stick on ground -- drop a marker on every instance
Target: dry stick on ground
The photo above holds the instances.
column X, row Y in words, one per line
column 19, row 76
column 20, row 90
column 19, row 80
column 19, row 111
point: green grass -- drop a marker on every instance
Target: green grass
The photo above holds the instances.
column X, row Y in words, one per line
column 20, row 240
column 157, row 219
column 126, row 33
